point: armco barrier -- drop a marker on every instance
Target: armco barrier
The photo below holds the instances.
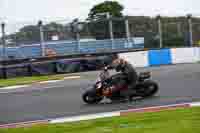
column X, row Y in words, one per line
column 159, row 57
column 70, row 47
column 185, row 55
column 138, row 59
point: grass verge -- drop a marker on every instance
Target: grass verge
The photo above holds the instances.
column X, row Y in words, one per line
column 176, row 121
column 28, row 80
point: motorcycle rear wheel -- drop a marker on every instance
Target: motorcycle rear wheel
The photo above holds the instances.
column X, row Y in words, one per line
column 148, row 88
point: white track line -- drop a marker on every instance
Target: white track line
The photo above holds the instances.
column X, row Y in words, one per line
column 72, row 77
column 42, row 82
column 195, row 104
column 50, row 81
column 14, row 87
column 85, row 117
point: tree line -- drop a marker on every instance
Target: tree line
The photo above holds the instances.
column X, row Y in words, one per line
column 175, row 29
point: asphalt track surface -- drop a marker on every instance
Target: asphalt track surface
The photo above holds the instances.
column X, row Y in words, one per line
column 178, row 84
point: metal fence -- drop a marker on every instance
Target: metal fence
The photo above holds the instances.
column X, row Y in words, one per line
column 61, row 38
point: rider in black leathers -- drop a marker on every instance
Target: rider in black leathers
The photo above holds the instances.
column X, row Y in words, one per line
column 129, row 74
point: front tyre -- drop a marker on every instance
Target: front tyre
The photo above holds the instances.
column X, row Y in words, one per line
column 90, row 98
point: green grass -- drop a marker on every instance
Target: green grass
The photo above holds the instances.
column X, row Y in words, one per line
column 28, row 80
column 176, row 121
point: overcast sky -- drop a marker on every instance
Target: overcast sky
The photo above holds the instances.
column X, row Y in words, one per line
column 15, row 12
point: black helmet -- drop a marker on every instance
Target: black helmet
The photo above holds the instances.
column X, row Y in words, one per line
column 118, row 67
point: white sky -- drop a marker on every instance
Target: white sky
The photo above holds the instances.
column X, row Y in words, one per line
column 19, row 12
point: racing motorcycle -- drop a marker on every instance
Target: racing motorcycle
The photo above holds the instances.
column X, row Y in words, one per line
column 144, row 88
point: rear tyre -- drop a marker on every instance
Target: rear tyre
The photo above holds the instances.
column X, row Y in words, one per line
column 148, row 88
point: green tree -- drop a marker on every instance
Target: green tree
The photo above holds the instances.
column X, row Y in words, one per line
column 31, row 33
column 28, row 33
column 99, row 26
column 113, row 7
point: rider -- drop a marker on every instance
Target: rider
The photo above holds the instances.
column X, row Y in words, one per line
column 128, row 71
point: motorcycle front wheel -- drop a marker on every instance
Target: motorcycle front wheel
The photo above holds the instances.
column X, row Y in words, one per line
column 90, row 98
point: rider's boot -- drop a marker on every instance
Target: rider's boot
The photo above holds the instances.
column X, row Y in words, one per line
column 106, row 100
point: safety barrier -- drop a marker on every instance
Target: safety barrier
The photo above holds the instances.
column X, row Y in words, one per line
column 185, row 55
column 163, row 56
column 138, row 59
column 159, row 57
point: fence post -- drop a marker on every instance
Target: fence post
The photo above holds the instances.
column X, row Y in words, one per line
column 189, row 18
column 160, row 31
column 127, row 30
column 4, row 69
column 42, row 45
column 3, row 40
column 78, row 35
column 110, row 28
column 179, row 28
column 75, row 25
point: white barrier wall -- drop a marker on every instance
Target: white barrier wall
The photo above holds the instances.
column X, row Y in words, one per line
column 185, row 55
column 197, row 53
column 138, row 59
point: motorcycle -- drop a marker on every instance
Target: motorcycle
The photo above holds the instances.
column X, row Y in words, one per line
column 145, row 87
